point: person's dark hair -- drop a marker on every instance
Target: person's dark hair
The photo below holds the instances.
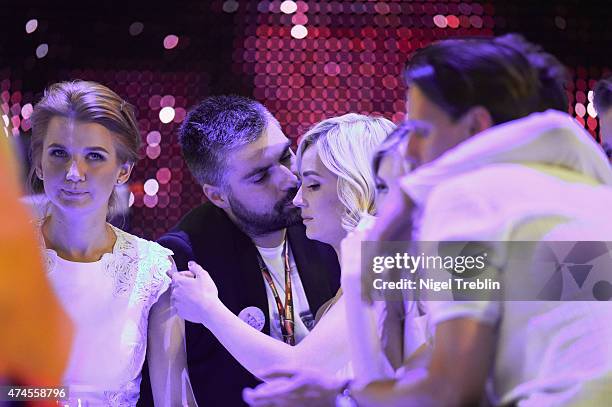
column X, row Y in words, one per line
column 216, row 126
column 458, row 74
column 552, row 74
column 602, row 95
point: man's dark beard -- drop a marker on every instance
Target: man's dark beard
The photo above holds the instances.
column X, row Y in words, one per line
column 283, row 215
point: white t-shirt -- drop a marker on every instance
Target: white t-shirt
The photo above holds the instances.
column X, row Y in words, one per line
column 303, row 320
column 108, row 302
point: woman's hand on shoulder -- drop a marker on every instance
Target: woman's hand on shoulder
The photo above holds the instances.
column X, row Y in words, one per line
column 194, row 293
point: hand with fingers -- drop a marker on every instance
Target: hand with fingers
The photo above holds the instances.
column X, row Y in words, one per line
column 194, row 293
column 285, row 388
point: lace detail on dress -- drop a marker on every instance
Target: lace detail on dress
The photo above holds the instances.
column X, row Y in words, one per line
column 126, row 397
column 138, row 268
column 50, row 259
column 122, row 264
column 151, row 282
column 49, row 256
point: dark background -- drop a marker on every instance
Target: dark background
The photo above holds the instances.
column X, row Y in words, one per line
column 350, row 60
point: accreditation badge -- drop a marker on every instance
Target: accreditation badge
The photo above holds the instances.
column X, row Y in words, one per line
column 254, row 317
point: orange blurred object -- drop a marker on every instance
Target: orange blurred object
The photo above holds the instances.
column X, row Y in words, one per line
column 36, row 334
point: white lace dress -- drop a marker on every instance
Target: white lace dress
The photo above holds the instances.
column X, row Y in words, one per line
column 109, row 302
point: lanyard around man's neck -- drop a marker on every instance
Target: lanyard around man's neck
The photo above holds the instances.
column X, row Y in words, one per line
column 285, row 313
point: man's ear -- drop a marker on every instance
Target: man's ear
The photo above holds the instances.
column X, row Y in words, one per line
column 124, row 173
column 477, row 119
column 216, row 195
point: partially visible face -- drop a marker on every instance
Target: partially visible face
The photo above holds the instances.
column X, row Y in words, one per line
column 443, row 134
column 605, row 124
column 79, row 165
column 391, row 168
column 261, row 184
column 318, row 200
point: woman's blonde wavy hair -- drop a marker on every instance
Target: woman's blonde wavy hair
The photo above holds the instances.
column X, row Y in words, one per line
column 345, row 145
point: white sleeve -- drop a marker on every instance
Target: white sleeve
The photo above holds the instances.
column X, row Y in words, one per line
column 454, row 211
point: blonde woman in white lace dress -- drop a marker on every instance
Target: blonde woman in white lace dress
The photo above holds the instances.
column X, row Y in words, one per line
column 113, row 285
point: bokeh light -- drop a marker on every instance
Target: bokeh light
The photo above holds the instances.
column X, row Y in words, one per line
column 153, row 138
column 453, row 21
column 171, row 41
column 230, row 6
column 299, row 31
column 42, row 50
column 31, row 26
column 153, row 151
column 288, row 7
column 560, row 22
column 440, row 21
column 580, row 109
column 179, row 114
column 26, row 110
column 136, row 28
column 150, row 201
column 151, row 187
column 163, row 175
column 155, row 101
column 166, row 101
column 166, row 114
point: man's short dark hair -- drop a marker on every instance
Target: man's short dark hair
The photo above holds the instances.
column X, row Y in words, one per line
column 551, row 72
column 216, row 126
column 602, row 95
column 459, row 74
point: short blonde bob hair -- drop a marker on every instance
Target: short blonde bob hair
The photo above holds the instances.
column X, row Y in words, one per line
column 345, row 145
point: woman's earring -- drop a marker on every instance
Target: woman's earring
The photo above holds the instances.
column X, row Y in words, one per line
column 39, row 175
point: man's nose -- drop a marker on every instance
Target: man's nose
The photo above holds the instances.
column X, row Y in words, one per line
column 289, row 178
column 297, row 200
